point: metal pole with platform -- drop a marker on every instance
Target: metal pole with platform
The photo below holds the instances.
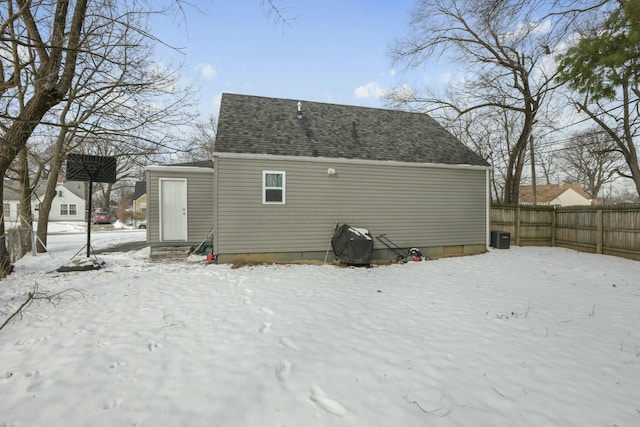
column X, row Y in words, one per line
column 83, row 167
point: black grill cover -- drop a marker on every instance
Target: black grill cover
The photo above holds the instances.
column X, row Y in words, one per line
column 352, row 245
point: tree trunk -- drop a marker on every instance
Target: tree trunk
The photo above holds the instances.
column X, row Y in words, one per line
column 50, row 192
column 625, row 142
column 26, row 215
column 5, row 259
column 50, row 83
column 107, row 195
column 43, row 214
column 516, row 157
column 14, row 140
column 629, row 150
column 45, row 205
column 514, row 170
column 634, row 167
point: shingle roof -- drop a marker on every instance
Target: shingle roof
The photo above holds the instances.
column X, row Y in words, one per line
column 139, row 190
column 196, row 164
column 259, row 125
column 75, row 187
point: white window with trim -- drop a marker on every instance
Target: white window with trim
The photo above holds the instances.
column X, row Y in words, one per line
column 274, row 187
column 6, row 210
column 66, row 209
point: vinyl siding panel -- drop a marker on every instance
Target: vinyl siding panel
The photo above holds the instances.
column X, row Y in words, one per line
column 67, row 198
column 413, row 205
column 200, row 202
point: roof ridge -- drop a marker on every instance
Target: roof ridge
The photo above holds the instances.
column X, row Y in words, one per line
column 364, row 107
column 275, row 126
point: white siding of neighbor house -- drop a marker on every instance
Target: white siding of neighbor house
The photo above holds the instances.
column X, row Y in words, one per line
column 199, row 201
column 65, row 196
column 10, row 211
column 570, row 198
column 414, row 205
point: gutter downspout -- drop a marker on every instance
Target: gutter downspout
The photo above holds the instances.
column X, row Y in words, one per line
column 488, row 198
column 216, row 230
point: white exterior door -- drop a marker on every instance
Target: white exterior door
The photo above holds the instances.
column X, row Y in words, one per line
column 173, row 210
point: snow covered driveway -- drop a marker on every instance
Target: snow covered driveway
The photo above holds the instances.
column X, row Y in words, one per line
column 518, row 337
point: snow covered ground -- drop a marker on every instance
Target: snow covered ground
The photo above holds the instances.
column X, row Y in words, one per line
column 518, row 337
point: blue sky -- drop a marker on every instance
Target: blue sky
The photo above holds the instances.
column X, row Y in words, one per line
column 333, row 51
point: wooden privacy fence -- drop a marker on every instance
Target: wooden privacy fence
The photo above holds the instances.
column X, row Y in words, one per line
column 609, row 230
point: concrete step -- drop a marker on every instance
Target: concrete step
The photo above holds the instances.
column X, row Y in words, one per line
column 170, row 252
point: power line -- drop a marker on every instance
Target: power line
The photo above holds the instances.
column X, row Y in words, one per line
column 586, row 119
column 546, row 144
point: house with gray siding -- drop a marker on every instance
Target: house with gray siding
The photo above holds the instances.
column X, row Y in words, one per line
column 180, row 205
column 286, row 171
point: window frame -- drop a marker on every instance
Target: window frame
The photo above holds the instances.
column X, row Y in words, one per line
column 64, row 209
column 73, row 209
column 283, row 188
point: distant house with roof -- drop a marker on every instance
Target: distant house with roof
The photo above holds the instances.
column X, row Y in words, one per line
column 140, row 200
column 284, row 172
column 67, row 205
column 555, row 194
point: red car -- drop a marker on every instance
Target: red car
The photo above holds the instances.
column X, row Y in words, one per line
column 101, row 217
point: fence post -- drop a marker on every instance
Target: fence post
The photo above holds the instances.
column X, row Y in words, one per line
column 575, row 227
column 553, row 227
column 20, row 245
column 599, row 231
column 517, row 230
column 34, row 251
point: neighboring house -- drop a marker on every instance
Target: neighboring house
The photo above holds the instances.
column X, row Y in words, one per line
column 555, row 194
column 284, row 172
column 67, row 205
column 10, row 205
column 140, row 200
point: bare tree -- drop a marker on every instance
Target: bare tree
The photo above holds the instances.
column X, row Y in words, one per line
column 602, row 67
column 25, row 190
column 488, row 132
column 83, row 52
column 591, row 159
column 41, row 43
column 118, row 98
column 547, row 161
column 202, row 140
column 505, row 46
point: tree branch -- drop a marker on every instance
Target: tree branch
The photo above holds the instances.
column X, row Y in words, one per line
column 36, row 295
